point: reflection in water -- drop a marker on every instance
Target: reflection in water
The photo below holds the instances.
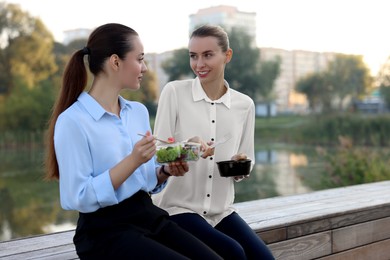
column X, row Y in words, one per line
column 51, row 228
column 276, row 173
column 287, row 179
column 30, row 206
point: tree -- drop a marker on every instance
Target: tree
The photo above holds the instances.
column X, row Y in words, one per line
column 177, row 67
column 26, row 49
column 383, row 81
column 346, row 76
column 243, row 72
column 147, row 93
column 269, row 72
column 349, row 76
column 317, row 90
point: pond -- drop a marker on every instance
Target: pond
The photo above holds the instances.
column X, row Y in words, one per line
column 30, row 206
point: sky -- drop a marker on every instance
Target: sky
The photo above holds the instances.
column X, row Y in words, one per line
column 352, row 27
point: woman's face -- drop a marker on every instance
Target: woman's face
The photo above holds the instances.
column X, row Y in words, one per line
column 207, row 59
column 133, row 66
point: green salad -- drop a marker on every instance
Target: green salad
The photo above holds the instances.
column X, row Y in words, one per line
column 179, row 152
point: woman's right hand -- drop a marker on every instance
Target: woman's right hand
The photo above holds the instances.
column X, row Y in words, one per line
column 204, row 147
column 144, row 149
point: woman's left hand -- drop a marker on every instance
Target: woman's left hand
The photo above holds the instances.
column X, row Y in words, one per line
column 177, row 168
column 237, row 157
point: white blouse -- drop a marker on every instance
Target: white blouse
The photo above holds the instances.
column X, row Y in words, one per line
column 185, row 111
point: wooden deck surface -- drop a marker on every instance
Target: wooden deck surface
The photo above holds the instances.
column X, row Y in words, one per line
column 342, row 223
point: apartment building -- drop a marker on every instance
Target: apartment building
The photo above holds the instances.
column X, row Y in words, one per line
column 79, row 33
column 295, row 64
column 228, row 16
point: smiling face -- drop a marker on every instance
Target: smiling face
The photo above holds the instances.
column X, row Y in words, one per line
column 133, row 66
column 207, row 59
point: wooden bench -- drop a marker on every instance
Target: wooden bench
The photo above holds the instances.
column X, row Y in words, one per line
column 342, row 223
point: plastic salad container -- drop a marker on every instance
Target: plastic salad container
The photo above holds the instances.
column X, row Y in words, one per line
column 176, row 152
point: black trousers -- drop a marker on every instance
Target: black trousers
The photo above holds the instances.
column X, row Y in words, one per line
column 232, row 238
column 135, row 229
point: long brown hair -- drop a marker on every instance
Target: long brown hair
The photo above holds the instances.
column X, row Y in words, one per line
column 103, row 42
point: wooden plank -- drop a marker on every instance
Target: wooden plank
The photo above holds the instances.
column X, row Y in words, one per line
column 336, row 193
column 378, row 251
column 337, row 222
column 303, row 248
column 331, row 203
column 272, row 236
column 360, row 234
column 295, row 227
column 34, row 243
column 52, row 253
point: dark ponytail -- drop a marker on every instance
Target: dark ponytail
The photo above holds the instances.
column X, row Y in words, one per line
column 73, row 83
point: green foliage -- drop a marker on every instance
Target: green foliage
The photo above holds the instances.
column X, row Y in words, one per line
column 147, row 94
column 318, row 92
column 373, row 131
column 349, row 166
column 383, row 80
column 349, row 76
column 269, row 72
column 363, row 130
column 243, row 71
column 27, row 109
column 178, row 66
column 346, row 76
column 25, row 51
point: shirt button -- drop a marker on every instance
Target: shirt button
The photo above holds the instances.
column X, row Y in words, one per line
column 210, row 176
column 212, row 103
column 212, row 121
column 212, row 139
column 208, row 195
column 211, row 158
column 204, row 212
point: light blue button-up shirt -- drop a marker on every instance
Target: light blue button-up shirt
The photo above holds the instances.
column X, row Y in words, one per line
column 89, row 141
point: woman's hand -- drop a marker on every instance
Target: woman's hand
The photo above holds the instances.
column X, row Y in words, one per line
column 173, row 169
column 142, row 152
column 204, row 146
column 177, row 168
column 237, row 157
column 144, row 149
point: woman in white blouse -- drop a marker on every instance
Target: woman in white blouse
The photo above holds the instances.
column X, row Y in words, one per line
column 201, row 201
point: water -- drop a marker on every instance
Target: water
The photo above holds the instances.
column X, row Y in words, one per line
column 30, row 206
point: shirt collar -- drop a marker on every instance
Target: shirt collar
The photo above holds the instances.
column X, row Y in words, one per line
column 199, row 94
column 94, row 108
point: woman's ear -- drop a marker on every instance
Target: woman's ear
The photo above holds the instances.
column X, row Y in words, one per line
column 114, row 61
column 229, row 55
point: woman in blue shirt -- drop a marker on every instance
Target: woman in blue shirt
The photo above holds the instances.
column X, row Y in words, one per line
column 106, row 171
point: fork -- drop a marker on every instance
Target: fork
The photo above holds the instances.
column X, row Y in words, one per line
column 224, row 139
column 155, row 138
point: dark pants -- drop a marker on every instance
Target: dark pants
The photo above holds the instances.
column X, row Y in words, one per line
column 135, row 229
column 232, row 238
